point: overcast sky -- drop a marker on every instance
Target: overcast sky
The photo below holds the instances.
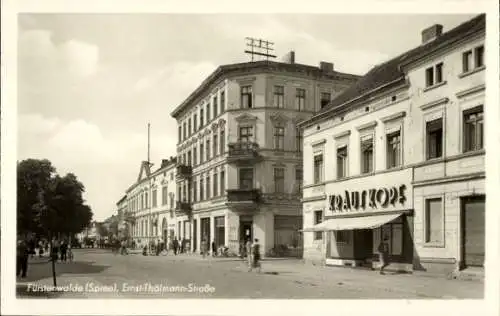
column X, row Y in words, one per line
column 90, row 83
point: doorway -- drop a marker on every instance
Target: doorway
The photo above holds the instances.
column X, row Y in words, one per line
column 246, row 231
column 473, row 231
column 363, row 245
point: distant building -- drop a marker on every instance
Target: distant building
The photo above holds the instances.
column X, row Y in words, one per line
column 400, row 155
column 239, row 170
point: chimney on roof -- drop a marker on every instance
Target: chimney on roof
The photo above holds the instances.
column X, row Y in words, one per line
column 326, row 67
column 431, row 33
column 289, row 58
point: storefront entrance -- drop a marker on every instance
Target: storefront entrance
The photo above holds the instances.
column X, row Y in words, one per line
column 219, row 231
column 473, row 231
column 246, row 231
column 363, row 250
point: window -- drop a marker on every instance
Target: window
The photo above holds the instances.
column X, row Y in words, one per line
column 222, row 101
column 433, row 221
column 298, row 179
column 195, row 122
column 246, row 134
column 215, row 186
column 195, row 191
column 155, row 196
column 318, row 168
column 279, row 180
column 299, row 139
column 318, row 219
column 146, row 200
column 367, row 156
column 434, row 130
column 185, row 131
column 434, row 75
column 201, row 118
column 279, row 96
column 202, row 196
column 208, row 149
column 300, row 99
column 208, row 186
column 473, row 129
column 393, row 150
column 479, row 56
column 189, row 127
column 195, row 156
column 208, row 111
column 342, row 236
column 325, row 99
column 342, row 162
column 246, row 178
column 216, row 107
column 189, row 162
column 467, row 61
column 222, row 142
column 164, row 196
column 201, row 153
column 215, row 144
column 222, row 182
column 246, row 97
column 180, row 134
column 279, row 137
column 184, row 193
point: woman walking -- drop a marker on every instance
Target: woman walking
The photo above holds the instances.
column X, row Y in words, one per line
column 383, row 250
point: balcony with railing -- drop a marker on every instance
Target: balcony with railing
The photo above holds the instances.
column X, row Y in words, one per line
column 243, row 198
column 184, row 171
column 243, row 152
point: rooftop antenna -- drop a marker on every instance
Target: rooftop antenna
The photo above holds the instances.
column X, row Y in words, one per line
column 259, row 47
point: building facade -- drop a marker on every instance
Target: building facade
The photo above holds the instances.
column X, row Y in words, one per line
column 401, row 155
column 239, row 173
column 150, row 204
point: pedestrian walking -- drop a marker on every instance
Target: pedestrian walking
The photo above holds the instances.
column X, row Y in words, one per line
column 214, row 249
column 176, row 245
column 64, row 251
column 383, row 253
column 22, row 255
column 248, row 252
column 255, row 262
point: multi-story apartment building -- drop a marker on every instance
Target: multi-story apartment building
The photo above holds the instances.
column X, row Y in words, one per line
column 240, row 153
column 401, row 155
column 151, row 202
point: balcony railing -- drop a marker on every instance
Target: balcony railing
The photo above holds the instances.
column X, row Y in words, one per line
column 243, row 151
column 249, row 196
column 184, row 171
column 183, row 206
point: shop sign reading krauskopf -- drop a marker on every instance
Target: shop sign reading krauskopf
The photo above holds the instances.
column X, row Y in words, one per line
column 371, row 198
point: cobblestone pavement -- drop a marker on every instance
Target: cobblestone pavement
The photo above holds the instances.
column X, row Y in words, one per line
column 98, row 273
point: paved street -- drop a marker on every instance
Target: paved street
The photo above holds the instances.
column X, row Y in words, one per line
column 97, row 273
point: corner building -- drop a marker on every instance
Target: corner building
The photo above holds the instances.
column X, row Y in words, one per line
column 400, row 154
column 239, row 172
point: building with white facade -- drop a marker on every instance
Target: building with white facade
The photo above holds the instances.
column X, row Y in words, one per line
column 150, row 204
column 240, row 153
column 400, row 155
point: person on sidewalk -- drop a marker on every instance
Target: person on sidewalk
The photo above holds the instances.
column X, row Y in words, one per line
column 214, row 249
column 255, row 262
column 248, row 252
column 64, row 251
column 22, row 258
column 176, row 245
column 383, row 253
column 54, row 249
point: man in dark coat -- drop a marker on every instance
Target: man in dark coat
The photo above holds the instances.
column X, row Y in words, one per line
column 176, row 245
column 22, row 258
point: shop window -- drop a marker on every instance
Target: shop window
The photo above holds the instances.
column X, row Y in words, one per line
column 246, row 134
column 434, row 221
column 318, row 168
column 279, row 180
column 394, row 150
column 318, row 218
column 343, row 236
column 279, row 138
column 367, row 156
column 473, row 129
column 300, row 99
column 394, row 232
column 246, row 97
column 434, row 130
column 342, row 162
column 246, row 178
column 325, row 99
column 279, row 96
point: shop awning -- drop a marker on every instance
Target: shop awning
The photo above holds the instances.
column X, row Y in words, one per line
column 349, row 223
